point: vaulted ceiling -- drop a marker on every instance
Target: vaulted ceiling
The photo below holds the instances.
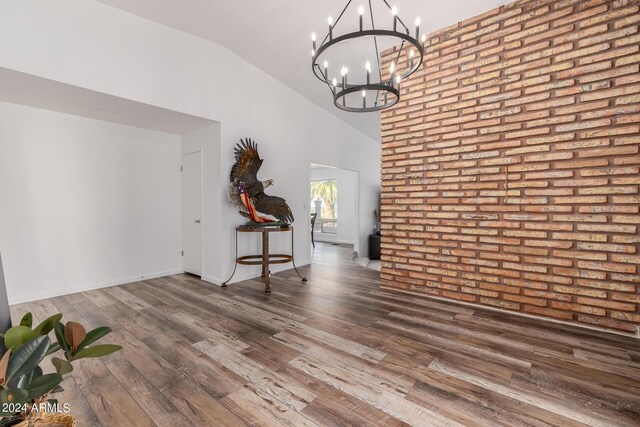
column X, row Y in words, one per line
column 274, row 35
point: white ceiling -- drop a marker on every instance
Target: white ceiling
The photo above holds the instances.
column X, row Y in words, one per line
column 34, row 91
column 274, row 35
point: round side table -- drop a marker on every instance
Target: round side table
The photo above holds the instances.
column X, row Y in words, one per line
column 265, row 259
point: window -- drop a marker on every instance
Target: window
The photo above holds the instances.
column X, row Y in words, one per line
column 324, row 202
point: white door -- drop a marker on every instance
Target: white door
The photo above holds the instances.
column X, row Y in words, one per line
column 192, row 213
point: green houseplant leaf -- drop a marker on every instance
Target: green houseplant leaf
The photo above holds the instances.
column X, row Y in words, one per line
column 16, row 396
column 94, row 335
column 43, row 385
column 16, row 336
column 96, row 351
column 28, row 357
column 53, row 348
column 58, row 389
column 59, row 330
column 62, row 366
column 47, row 325
column 27, row 320
column 25, row 380
column 8, row 421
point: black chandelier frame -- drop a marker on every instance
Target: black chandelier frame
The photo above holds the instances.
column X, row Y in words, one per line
column 385, row 90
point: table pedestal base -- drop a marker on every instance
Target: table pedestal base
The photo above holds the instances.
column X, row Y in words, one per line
column 265, row 259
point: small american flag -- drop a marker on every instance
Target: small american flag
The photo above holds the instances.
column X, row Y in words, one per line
column 246, row 201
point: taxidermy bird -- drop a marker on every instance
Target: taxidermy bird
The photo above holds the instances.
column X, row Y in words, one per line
column 246, row 192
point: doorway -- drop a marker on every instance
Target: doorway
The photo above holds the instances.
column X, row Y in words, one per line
column 333, row 202
column 192, row 213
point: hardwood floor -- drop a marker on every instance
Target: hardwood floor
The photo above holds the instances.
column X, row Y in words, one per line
column 337, row 350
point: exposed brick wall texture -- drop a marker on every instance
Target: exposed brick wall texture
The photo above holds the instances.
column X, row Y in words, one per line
column 510, row 167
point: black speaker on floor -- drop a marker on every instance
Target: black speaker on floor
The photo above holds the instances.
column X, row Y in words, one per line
column 374, row 246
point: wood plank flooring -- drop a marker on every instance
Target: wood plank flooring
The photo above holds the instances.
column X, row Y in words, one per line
column 335, row 351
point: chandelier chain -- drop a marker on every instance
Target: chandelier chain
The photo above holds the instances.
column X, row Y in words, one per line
column 375, row 42
column 338, row 20
column 375, row 38
column 399, row 19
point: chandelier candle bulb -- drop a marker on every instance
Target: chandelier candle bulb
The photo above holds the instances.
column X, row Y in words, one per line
column 313, row 40
column 330, row 22
column 361, row 13
column 417, row 27
column 424, row 38
column 344, row 77
column 411, row 54
column 367, row 67
column 326, row 69
column 394, row 12
column 364, row 99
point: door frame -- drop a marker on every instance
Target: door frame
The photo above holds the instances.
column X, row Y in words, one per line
column 182, row 155
column 356, row 242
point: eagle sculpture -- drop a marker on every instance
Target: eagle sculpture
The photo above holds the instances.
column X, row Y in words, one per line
column 246, row 192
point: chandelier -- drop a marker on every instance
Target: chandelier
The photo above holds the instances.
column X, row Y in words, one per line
column 360, row 91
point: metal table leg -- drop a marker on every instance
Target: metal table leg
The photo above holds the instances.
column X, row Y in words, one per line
column 304, row 279
column 235, row 265
column 265, row 262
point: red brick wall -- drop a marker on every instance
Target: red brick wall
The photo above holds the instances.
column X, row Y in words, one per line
column 510, row 167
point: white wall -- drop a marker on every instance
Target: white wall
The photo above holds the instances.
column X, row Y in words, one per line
column 91, row 45
column 85, row 203
column 347, row 204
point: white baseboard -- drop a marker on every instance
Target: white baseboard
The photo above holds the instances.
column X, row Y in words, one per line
column 28, row 297
column 241, row 276
column 339, row 241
